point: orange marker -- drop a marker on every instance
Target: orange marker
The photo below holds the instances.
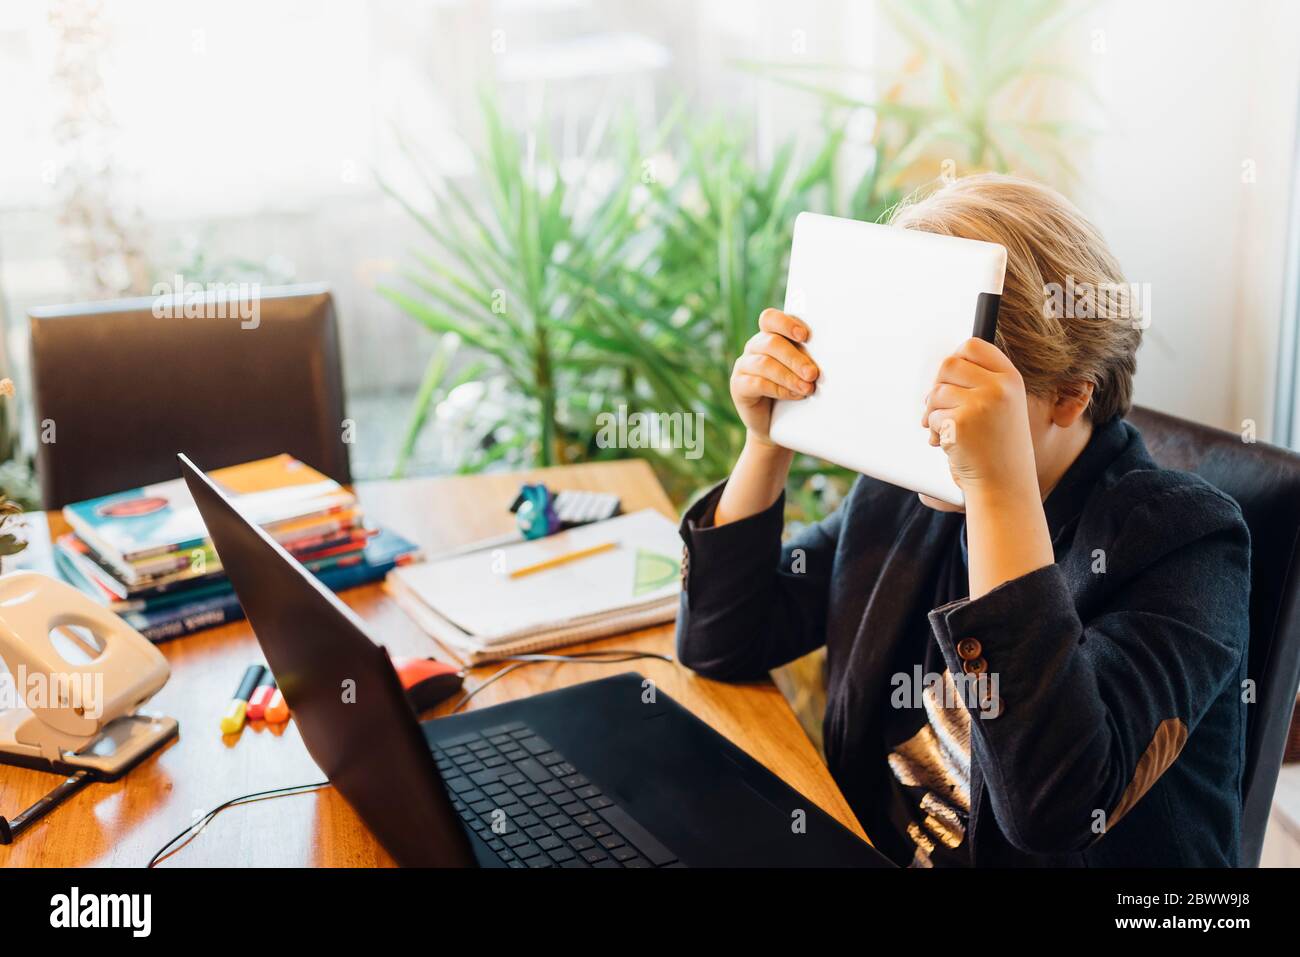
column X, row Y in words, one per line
column 277, row 711
column 261, row 697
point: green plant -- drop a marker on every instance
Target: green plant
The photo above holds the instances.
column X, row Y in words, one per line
column 646, row 301
column 17, row 476
column 435, row 386
column 678, row 315
column 971, row 92
column 10, row 544
column 497, row 279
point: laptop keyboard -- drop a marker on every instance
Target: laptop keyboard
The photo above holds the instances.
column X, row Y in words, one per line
column 535, row 809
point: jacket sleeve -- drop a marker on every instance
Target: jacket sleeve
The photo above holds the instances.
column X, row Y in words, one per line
column 749, row 604
column 1080, row 717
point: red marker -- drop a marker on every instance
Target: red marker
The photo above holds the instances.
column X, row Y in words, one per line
column 261, row 697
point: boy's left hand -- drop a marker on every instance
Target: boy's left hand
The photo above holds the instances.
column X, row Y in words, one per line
column 978, row 413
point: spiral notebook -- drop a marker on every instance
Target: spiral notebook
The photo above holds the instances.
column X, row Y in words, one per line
column 471, row 605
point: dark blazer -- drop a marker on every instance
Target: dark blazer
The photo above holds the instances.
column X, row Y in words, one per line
column 1119, row 738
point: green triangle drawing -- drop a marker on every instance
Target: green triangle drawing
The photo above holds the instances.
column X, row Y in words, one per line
column 653, row 571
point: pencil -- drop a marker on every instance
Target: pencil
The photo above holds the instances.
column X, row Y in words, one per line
column 562, row 559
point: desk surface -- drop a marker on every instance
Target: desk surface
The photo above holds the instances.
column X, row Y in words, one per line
column 124, row 823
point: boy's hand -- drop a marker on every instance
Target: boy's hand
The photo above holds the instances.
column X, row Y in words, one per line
column 977, row 412
column 772, row 367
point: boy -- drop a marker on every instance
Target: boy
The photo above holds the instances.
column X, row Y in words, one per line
column 1080, row 628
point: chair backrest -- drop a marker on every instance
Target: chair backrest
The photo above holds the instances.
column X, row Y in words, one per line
column 120, row 387
column 1265, row 481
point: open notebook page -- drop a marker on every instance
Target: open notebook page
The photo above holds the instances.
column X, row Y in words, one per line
column 476, row 593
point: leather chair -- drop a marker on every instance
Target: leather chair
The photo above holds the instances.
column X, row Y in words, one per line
column 125, row 390
column 1265, row 481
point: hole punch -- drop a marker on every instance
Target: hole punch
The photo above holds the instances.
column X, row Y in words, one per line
column 81, row 674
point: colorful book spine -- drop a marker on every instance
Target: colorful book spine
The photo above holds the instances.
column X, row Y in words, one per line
column 386, row 552
column 151, row 530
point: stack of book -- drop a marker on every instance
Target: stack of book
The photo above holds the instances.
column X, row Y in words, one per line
column 145, row 553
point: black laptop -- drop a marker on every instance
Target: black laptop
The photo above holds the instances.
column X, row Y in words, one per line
column 602, row 774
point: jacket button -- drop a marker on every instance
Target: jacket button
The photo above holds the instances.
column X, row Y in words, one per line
column 968, row 649
column 976, row 667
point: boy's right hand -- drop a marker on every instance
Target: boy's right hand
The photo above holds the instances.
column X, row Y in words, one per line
column 771, row 367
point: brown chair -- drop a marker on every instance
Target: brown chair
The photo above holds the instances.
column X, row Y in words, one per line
column 1265, row 481
column 121, row 390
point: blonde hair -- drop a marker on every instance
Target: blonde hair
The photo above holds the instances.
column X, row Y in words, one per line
column 1054, row 255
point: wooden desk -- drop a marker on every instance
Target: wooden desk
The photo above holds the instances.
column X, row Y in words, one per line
column 124, row 823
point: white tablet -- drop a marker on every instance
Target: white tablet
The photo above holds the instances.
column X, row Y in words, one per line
column 884, row 306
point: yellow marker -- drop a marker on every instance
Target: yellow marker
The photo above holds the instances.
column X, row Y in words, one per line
column 232, row 722
column 562, row 559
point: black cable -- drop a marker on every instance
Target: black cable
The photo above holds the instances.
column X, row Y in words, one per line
column 167, row 850
column 578, row 658
column 602, row 657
